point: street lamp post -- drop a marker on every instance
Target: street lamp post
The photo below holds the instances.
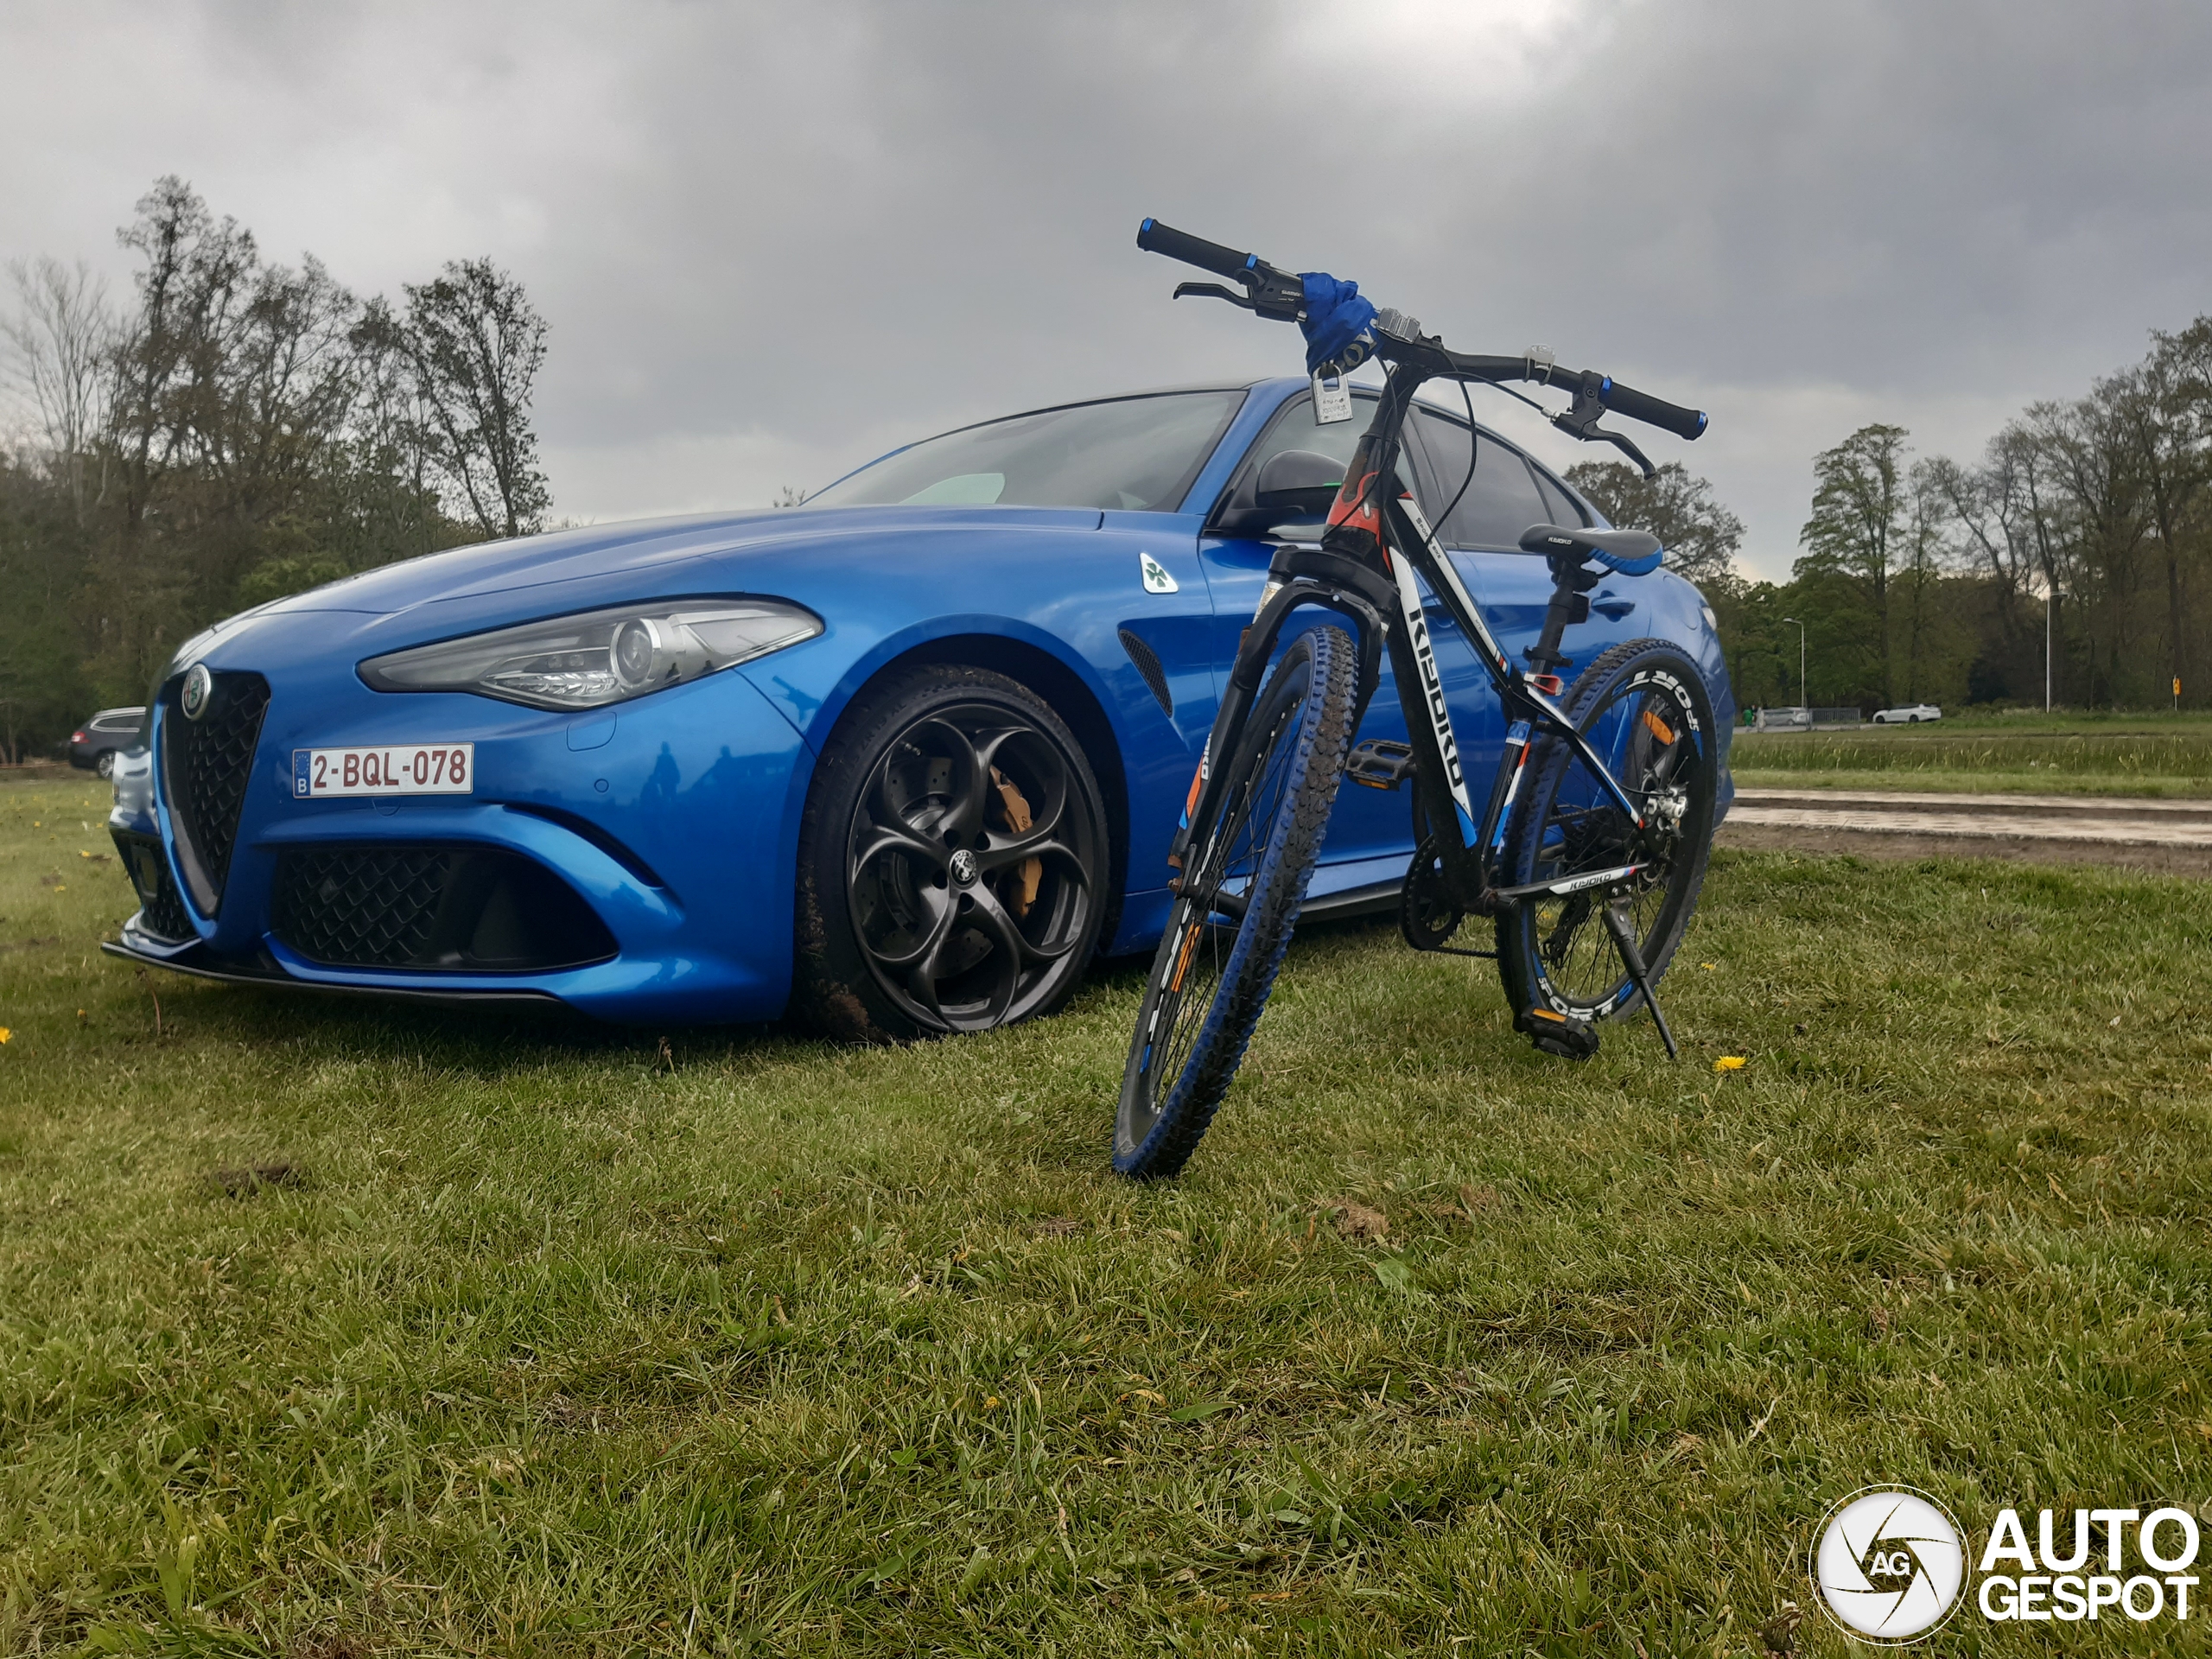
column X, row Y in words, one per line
column 2050, row 594
column 1804, row 696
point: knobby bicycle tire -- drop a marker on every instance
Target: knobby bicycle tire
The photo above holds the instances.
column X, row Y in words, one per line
column 1556, row 953
column 1273, row 811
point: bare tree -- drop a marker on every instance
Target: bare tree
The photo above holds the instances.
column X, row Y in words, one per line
column 2161, row 413
column 1701, row 535
column 476, row 344
column 2098, row 521
column 59, row 342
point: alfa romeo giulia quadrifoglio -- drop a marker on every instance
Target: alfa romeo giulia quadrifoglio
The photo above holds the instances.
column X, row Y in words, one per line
column 904, row 760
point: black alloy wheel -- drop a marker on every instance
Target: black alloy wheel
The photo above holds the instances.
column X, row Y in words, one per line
column 953, row 870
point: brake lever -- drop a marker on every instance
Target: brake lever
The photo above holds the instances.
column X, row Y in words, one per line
column 1620, row 441
column 1581, row 421
column 1275, row 294
column 1212, row 291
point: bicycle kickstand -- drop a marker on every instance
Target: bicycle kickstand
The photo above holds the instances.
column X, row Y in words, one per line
column 1625, row 940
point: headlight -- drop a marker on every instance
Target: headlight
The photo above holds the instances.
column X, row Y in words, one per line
column 600, row 657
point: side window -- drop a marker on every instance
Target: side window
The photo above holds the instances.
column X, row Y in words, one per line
column 1293, row 428
column 1501, row 500
column 1559, row 508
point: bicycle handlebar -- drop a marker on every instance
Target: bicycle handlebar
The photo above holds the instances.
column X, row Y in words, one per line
column 1652, row 411
column 1688, row 424
column 1156, row 238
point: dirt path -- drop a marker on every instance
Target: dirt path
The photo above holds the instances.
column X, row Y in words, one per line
column 2171, row 837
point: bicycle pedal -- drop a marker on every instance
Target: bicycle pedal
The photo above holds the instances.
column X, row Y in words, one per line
column 1380, row 763
column 1554, row 1033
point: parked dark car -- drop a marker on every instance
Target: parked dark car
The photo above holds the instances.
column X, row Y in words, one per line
column 94, row 745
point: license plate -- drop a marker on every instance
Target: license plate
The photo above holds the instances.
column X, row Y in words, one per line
column 392, row 769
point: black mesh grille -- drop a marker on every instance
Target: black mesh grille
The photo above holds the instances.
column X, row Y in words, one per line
column 206, row 766
column 160, row 909
column 371, row 908
column 455, row 908
column 1147, row 662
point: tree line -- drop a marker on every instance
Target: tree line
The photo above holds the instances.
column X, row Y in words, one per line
column 238, row 430
column 242, row 429
column 2076, row 547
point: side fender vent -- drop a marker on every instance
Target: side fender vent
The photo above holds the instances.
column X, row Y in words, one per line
column 1147, row 662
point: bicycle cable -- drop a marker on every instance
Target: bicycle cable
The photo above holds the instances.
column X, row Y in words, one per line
column 1474, row 453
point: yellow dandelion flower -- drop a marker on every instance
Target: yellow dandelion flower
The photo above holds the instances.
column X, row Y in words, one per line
column 1729, row 1063
column 5, row 1034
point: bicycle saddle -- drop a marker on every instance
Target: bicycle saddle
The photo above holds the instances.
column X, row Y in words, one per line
column 1627, row 552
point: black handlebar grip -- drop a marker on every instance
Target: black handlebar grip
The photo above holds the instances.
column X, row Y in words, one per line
column 1156, row 238
column 1652, row 411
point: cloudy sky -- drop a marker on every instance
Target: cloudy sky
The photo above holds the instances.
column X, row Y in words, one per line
column 773, row 240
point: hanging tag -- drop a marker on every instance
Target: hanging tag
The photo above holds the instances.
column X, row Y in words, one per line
column 1332, row 404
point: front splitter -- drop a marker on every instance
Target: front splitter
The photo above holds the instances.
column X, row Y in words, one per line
column 195, row 960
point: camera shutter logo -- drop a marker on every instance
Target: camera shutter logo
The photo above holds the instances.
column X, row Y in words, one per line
column 1889, row 1564
column 198, row 688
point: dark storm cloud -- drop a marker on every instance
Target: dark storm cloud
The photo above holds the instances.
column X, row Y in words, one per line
column 773, row 239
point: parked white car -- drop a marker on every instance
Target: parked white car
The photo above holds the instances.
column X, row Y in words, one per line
column 1910, row 715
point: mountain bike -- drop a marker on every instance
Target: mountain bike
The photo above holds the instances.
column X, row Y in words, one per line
column 1589, row 850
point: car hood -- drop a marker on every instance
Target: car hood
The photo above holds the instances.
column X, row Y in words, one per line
column 649, row 549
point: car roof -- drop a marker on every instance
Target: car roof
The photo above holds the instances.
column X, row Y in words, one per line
column 133, row 708
column 1274, row 390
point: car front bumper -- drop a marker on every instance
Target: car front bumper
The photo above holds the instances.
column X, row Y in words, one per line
column 654, row 835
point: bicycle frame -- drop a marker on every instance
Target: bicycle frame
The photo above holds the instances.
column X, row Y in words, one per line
column 1369, row 574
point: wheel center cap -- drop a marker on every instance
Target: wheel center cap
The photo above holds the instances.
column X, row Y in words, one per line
column 964, row 868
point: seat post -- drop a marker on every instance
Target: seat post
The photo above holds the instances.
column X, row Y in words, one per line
column 1571, row 586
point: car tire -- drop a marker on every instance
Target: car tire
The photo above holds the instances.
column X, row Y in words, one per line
column 105, row 764
column 927, row 905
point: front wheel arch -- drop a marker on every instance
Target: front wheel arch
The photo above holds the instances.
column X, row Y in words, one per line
column 1070, row 698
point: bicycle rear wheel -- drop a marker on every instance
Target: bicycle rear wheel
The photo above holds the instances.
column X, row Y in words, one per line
column 1240, row 894
column 1644, row 709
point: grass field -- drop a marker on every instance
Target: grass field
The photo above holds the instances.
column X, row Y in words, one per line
column 2012, row 753
column 540, row 1337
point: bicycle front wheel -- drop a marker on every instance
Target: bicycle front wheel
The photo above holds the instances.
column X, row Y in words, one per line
column 1232, row 922
column 1644, row 709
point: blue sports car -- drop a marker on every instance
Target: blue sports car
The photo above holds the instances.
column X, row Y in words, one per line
column 901, row 760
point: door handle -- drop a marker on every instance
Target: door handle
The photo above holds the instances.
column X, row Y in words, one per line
column 1615, row 608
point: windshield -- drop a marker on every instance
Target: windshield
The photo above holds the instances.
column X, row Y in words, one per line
column 1137, row 455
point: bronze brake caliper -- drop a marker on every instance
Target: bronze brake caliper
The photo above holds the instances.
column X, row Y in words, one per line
column 1013, row 808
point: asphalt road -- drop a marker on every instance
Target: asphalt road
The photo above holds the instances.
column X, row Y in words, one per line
column 2165, row 836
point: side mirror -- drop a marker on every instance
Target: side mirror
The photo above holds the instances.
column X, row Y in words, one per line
column 1300, row 483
